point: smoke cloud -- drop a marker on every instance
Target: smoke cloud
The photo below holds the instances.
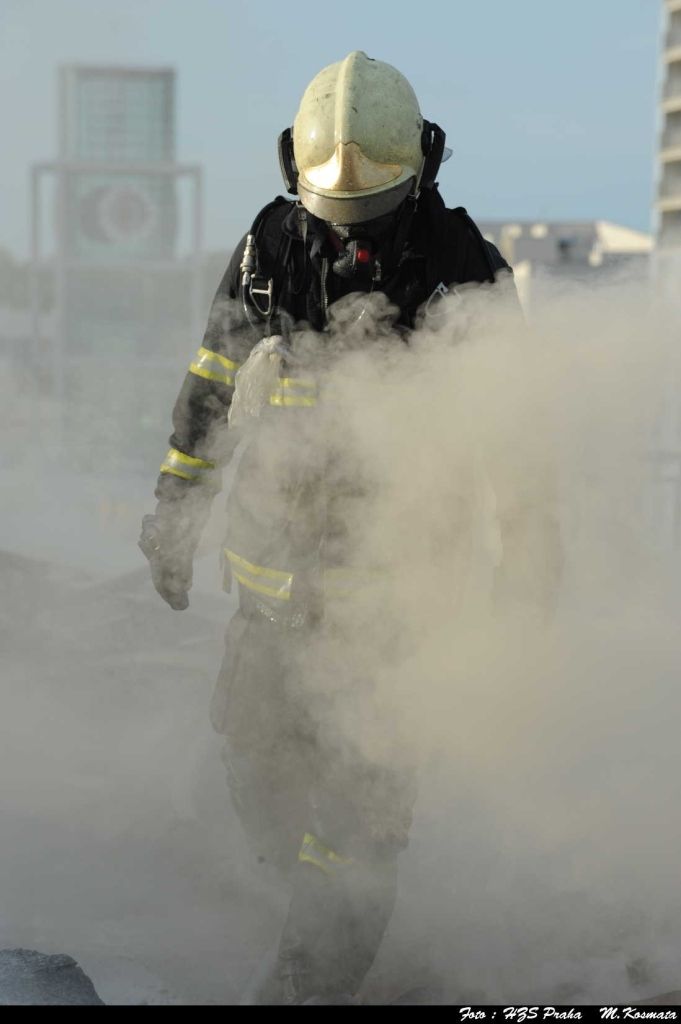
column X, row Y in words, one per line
column 519, row 633
column 511, row 642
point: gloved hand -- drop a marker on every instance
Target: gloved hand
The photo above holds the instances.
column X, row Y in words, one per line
column 165, row 544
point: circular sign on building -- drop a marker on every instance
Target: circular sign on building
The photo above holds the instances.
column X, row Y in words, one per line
column 118, row 214
column 113, row 218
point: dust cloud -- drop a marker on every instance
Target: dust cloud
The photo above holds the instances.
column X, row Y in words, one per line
column 516, row 632
column 538, row 696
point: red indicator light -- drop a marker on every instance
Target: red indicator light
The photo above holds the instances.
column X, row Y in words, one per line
column 363, row 255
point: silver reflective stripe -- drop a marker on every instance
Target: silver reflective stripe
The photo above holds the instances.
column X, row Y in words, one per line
column 213, row 366
column 276, row 583
column 295, row 391
column 187, row 467
column 338, row 583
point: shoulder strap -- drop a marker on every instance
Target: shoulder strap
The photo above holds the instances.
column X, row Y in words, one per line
column 258, row 267
column 433, row 238
column 449, row 234
column 263, row 216
column 471, row 227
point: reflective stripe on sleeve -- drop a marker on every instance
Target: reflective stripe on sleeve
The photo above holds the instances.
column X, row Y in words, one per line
column 185, row 466
column 213, row 366
column 271, row 582
column 313, row 851
column 292, row 391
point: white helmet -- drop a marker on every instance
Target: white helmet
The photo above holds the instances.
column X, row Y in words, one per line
column 359, row 145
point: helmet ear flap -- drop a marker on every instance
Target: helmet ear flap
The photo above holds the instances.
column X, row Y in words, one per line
column 433, row 146
column 287, row 162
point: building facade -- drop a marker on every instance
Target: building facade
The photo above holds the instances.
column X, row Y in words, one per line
column 667, row 264
column 669, row 153
column 571, row 250
column 128, row 303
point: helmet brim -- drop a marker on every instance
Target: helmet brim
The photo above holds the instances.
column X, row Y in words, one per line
column 353, row 208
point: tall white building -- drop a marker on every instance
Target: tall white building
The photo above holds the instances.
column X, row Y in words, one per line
column 667, row 269
column 669, row 175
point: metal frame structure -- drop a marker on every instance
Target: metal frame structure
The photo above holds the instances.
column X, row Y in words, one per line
column 89, row 142
column 61, row 169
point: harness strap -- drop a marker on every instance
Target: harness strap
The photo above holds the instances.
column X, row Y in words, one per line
column 405, row 221
column 263, row 286
column 256, row 282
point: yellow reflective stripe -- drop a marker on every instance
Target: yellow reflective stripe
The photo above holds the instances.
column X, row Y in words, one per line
column 338, row 582
column 312, row 851
column 278, row 399
column 257, row 570
column 175, row 472
column 311, row 841
column 222, row 378
column 292, row 391
column 244, row 571
column 307, row 858
column 260, row 588
column 189, row 460
column 215, row 357
column 213, row 366
column 298, row 382
column 188, row 467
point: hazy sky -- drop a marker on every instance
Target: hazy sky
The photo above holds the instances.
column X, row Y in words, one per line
column 549, row 105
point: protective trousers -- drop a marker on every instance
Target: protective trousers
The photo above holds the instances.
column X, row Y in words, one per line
column 312, row 804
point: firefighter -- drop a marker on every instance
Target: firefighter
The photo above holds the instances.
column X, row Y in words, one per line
column 367, row 217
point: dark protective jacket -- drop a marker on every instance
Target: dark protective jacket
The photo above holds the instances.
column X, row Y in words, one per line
column 284, row 542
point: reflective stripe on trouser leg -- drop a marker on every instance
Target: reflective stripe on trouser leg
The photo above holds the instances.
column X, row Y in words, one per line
column 335, row 923
column 313, row 851
column 268, row 762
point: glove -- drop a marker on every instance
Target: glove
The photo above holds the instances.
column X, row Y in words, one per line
column 166, row 545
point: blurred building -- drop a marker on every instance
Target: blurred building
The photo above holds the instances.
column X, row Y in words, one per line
column 126, row 262
column 570, row 249
column 669, row 153
column 581, row 251
column 667, row 260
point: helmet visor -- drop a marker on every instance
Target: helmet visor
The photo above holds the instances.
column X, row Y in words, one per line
column 353, row 208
